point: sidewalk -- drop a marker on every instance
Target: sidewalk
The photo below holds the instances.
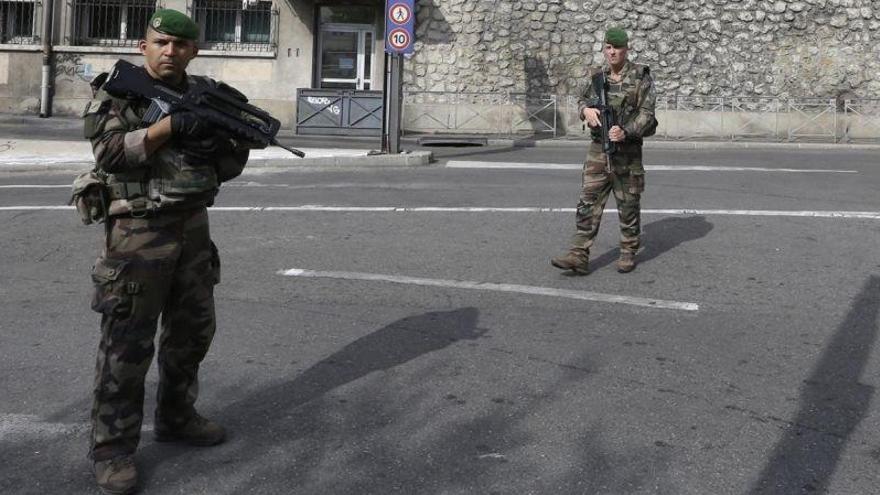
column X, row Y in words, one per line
column 34, row 155
column 32, row 144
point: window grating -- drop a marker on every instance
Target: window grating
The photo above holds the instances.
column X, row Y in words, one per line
column 237, row 25
column 18, row 22
column 111, row 22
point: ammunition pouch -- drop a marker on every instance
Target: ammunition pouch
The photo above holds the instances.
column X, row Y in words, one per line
column 127, row 190
column 137, row 194
column 89, row 197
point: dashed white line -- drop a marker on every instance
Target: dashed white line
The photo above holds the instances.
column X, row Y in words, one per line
column 29, row 426
column 487, row 286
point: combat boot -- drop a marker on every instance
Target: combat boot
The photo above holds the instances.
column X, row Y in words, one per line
column 577, row 260
column 626, row 262
column 116, row 476
column 197, row 431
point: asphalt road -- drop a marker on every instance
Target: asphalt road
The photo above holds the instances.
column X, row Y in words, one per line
column 439, row 384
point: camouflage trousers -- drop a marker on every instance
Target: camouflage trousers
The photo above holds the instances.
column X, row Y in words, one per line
column 165, row 265
column 597, row 184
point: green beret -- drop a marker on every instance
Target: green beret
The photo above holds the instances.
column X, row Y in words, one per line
column 174, row 23
column 616, row 37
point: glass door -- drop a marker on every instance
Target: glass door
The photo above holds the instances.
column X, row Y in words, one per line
column 345, row 56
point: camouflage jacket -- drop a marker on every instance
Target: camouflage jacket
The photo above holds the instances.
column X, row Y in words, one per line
column 632, row 98
column 167, row 179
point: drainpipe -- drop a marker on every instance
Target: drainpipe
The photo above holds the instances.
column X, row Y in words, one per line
column 46, row 85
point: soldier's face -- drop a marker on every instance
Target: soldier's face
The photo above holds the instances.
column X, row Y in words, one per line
column 614, row 55
column 167, row 56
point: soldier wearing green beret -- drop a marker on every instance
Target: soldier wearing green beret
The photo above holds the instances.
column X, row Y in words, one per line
column 159, row 259
column 631, row 96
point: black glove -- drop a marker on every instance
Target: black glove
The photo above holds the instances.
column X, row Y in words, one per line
column 208, row 148
column 187, row 125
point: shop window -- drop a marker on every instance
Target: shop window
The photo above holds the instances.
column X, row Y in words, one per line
column 236, row 25
column 111, row 22
column 17, row 22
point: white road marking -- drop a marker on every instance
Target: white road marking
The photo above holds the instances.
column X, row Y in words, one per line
column 470, row 285
column 659, row 168
column 35, row 186
column 867, row 215
column 29, row 426
column 872, row 215
column 513, row 165
column 35, row 208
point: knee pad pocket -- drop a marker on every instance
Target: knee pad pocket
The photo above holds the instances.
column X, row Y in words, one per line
column 635, row 184
column 113, row 291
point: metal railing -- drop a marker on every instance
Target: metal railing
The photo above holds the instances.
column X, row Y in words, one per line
column 861, row 120
column 681, row 117
column 338, row 112
column 754, row 118
column 117, row 23
column 749, row 117
column 20, row 21
column 237, row 25
column 812, row 118
column 481, row 113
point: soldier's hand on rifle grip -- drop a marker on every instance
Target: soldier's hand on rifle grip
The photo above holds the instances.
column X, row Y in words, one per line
column 617, row 134
column 591, row 115
column 188, row 125
column 157, row 135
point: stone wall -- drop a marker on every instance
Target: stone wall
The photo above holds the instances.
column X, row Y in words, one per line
column 808, row 48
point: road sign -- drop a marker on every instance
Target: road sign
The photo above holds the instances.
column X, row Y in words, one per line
column 399, row 26
column 399, row 39
column 399, row 13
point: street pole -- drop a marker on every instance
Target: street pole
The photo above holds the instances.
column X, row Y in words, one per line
column 392, row 101
column 386, row 83
column 399, row 34
column 46, row 83
column 395, row 97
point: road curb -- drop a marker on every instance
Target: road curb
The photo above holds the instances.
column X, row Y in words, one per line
column 408, row 159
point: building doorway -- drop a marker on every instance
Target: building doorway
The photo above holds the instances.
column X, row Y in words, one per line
column 346, row 42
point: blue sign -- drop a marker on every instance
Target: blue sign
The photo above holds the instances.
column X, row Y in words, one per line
column 400, row 20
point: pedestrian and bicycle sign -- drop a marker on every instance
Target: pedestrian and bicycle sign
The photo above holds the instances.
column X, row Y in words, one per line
column 399, row 24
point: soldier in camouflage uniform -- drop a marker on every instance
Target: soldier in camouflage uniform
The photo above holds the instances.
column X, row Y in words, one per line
column 159, row 258
column 631, row 94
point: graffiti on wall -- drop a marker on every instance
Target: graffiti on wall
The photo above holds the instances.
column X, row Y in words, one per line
column 70, row 66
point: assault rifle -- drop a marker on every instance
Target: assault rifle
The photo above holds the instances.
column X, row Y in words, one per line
column 606, row 116
column 221, row 105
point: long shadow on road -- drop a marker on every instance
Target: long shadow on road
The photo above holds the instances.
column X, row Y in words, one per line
column 662, row 236
column 832, row 404
column 263, row 415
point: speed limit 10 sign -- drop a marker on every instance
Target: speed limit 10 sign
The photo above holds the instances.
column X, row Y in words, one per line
column 399, row 39
column 399, row 24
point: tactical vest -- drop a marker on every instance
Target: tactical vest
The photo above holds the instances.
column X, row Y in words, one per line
column 170, row 178
column 624, row 96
